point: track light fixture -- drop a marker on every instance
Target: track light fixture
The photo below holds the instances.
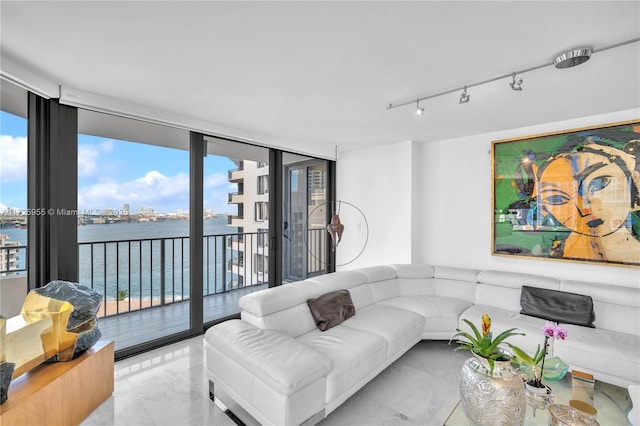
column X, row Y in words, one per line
column 572, row 57
column 516, row 84
column 568, row 59
column 464, row 98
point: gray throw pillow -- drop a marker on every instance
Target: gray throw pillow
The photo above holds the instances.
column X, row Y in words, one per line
column 331, row 309
column 558, row 306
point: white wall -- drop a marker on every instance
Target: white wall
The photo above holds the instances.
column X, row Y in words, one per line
column 379, row 182
column 13, row 291
column 458, row 211
column 432, row 203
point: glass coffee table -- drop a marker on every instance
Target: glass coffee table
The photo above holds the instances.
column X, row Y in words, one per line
column 612, row 402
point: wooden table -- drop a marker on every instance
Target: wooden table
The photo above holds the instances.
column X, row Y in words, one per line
column 61, row 393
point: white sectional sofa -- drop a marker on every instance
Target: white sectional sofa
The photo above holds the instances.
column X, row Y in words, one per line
column 276, row 366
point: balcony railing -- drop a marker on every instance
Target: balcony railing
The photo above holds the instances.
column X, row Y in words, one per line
column 137, row 274
column 234, row 174
column 231, row 219
column 13, row 260
column 235, row 197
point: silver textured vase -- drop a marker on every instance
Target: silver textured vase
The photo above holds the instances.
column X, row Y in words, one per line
column 491, row 398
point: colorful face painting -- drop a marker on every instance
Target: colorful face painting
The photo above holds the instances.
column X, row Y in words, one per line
column 573, row 195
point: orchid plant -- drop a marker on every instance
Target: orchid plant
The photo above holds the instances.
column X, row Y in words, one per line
column 550, row 330
column 483, row 344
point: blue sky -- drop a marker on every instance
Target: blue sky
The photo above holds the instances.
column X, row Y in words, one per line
column 112, row 173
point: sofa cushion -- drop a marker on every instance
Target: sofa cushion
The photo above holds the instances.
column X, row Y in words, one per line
column 293, row 322
column 517, row 279
column 385, row 289
column 399, row 327
column 413, row 279
column 331, row 309
column 440, row 313
column 338, row 280
column 413, row 270
column 598, row 350
column 285, row 364
column 354, row 354
column 617, row 308
column 456, row 273
column 617, row 317
column 559, row 306
column 361, row 296
column 416, row 287
column 378, row 273
column 278, row 298
column 502, row 289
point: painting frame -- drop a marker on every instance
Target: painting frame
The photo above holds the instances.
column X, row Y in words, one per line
column 570, row 195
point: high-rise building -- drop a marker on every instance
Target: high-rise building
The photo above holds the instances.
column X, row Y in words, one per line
column 249, row 258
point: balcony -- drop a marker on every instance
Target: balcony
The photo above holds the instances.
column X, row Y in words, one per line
column 236, row 198
column 13, row 259
column 237, row 263
column 235, row 220
column 145, row 282
column 236, row 175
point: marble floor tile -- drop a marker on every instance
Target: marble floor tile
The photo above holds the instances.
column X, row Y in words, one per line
column 168, row 386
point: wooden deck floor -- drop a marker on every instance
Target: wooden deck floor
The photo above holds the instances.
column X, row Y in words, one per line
column 134, row 328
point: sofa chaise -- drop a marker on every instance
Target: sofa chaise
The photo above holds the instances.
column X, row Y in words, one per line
column 275, row 364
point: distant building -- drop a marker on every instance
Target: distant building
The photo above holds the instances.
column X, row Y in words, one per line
column 304, row 234
column 249, row 260
column 8, row 257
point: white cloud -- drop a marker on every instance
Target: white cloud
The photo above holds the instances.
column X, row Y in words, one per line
column 13, row 158
column 152, row 178
column 216, row 180
column 216, row 193
column 106, row 146
column 87, row 164
column 88, row 156
column 163, row 193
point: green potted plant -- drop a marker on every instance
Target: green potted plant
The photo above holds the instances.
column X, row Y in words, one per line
column 487, row 379
column 483, row 344
column 534, row 384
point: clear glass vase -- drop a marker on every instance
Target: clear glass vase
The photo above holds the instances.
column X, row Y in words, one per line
column 492, row 397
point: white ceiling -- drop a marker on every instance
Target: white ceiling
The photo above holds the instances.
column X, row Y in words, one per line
column 308, row 76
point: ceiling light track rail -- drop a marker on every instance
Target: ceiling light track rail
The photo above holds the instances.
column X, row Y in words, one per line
column 583, row 51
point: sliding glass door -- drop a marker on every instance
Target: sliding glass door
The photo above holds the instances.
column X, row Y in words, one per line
column 305, row 209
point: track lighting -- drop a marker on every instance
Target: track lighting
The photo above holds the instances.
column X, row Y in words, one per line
column 572, row 57
column 516, row 84
column 568, row 59
column 464, row 98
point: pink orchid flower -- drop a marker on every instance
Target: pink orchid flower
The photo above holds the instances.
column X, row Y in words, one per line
column 560, row 333
column 549, row 329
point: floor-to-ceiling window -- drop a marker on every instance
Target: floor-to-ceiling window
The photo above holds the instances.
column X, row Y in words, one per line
column 13, row 180
column 13, row 196
column 133, row 218
column 306, row 204
column 133, row 226
column 235, row 224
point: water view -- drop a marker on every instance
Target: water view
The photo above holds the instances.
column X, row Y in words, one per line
column 148, row 262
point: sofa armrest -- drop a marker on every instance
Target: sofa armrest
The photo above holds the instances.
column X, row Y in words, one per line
column 278, row 360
